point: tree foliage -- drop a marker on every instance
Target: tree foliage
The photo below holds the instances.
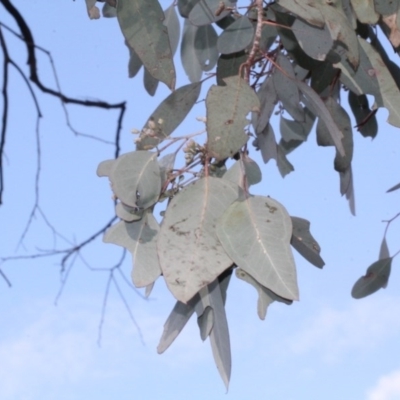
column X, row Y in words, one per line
column 295, row 61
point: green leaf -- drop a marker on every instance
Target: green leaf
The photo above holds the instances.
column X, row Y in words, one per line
column 366, row 120
column 384, row 250
column 227, row 107
column 205, row 44
column 189, row 59
column 365, row 11
column 268, row 99
column 229, row 65
column 385, row 7
column 176, row 321
column 286, row 88
column 108, row 11
column 135, row 178
column 377, row 277
column 166, row 165
column 315, row 41
column 236, row 37
column 318, row 108
column 141, row 24
column 347, row 188
column 307, row 10
column 127, row 214
column 149, row 82
column 173, row 26
column 168, row 116
column 284, row 165
column 373, row 77
column 185, row 6
column 190, row 254
column 135, row 63
column 265, row 296
column 342, row 31
column 139, row 238
column 304, row 242
column 256, row 234
column 219, row 336
column 205, row 321
column 246, row 166
column 266, row 142
column 204, row 12
column 392, row 189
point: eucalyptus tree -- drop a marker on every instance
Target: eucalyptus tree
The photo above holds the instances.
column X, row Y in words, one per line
column 294, row 59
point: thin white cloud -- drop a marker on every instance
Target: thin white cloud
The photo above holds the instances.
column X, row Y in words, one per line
column 335, row 332
column 387, row 387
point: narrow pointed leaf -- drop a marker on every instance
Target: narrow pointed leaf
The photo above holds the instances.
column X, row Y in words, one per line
column 319, row 109
column 150, row 83
column 141, row 22
column 190, row 253
column 135, row 63
column 176, row 321
column 365, row 118
column 236, row 37
column 256, row 234
column 377, row 277
column 190, row 63
column 347, row 188
column 286, row 88
column 139, row 238
column 303, row 241
column 265, row 296
column 173, row 26
column 205, row 44
column 168, row 116
column 227, row 107
column 205, row 322
column 267, row 144
column 384, row 250
column 219, row 336
column 392, row 189
column 268, row 99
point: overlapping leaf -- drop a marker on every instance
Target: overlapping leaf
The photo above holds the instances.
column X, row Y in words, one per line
column 303, row 241
column 265, row 296
column 190, row 63
column 227, row 107
column 141, row 22
column 229, row 65
column 139, row 238
column 168, row 116
column 205, row 11
column 190, row 253
column 247, row 167
column 135, row 178
column 205, row 44
column 365, row 118
column 256, row 233
column 236, row 37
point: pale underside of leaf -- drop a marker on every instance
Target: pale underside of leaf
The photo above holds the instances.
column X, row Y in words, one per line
column 256, row 234
column 141, row 22
column 227, row 107
column 190, row 253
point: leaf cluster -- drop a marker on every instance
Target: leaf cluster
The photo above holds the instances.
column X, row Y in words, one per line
column 291, row 59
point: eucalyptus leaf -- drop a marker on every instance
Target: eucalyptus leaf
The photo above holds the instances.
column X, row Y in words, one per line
column 268, row 99
column 205, row 44
column 149, row 82
column 190, row 63
column 185, row 6
column 135, row 63
column 247, row 167
column 127, row 214
column 307, row 10
column 256, row 232
column 365, row 118
column 135, row 178
column 384, row 250
column 229, row 65
column 365, row 11
column 347, row 188
column 173, row 25
column 166, row 165
column 108, row 11
column 190, row 253
column 303, row 241
column 205, row 321
column 141, row 23
column 376, row 277
column 205, row 11
column 267, row 144
column 176, row 321
column 286, row 87
column 236, row 37
column 392, row 189
column 139, row 238
column 227, row 107
column 168, row 116
column 284, row 165
column 265, row 296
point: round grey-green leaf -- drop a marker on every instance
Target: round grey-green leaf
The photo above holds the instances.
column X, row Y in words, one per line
column 236, row 37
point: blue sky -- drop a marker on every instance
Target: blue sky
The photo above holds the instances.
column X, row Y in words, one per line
column 327, row 346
